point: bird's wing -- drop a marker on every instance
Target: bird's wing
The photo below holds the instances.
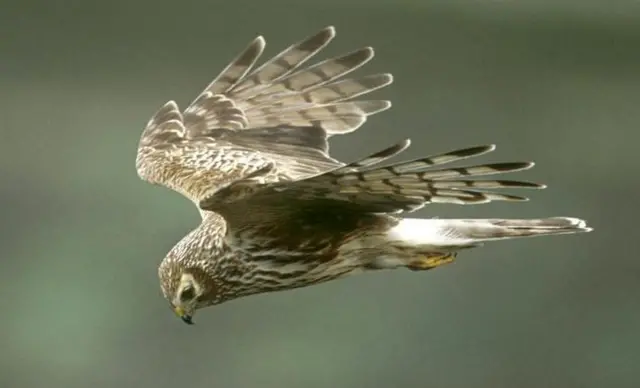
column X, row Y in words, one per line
column 259, row 124
column 365, row 187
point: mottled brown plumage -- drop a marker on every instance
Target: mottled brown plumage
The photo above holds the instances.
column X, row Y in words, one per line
column 251, row 151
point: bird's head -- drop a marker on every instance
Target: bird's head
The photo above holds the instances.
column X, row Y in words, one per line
column 187, row 288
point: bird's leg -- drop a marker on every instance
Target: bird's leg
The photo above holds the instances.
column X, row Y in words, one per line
column 430, row 261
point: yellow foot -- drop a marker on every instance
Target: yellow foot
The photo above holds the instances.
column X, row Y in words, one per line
column 431, row 261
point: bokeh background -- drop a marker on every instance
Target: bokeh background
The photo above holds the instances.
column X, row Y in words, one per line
column 555, row 81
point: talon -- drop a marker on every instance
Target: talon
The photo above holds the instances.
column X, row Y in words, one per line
column 431, row 261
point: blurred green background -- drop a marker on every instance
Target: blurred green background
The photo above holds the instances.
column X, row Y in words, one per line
column 553, row 81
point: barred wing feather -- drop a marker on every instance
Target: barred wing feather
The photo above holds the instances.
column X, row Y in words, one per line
column 278, row 114
column 399, row 187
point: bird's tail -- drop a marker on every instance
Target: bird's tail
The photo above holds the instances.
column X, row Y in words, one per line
column 427, row 243
column 452, row 234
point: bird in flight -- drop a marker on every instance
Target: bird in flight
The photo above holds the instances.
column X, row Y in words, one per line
column 278, row 212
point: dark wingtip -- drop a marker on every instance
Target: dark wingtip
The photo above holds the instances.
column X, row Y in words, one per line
column 473, row 151
column 400, row 146
column 388, row 78
column 329, row 30
column 392, row 150
column 516, row 198
column 511, row 166
column 521, row 184
column 318, row 40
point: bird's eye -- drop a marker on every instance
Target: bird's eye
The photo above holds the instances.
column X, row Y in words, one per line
column 187, row 294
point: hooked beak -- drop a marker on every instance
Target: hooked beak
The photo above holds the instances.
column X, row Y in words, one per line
column 186, row 318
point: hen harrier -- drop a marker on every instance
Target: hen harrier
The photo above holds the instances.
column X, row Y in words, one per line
column 278, row 212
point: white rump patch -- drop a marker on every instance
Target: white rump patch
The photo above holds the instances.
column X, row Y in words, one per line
column 425, row 233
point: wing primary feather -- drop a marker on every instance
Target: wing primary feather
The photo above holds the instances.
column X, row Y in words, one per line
column 336, row 118
column 284, row 63
column 407, row 186
column 326, row 71
column 486, row 184
column 309, row 77
column 374, row 158
column 238, row 68
column 443, row 158
column 411, row 181
column 486, row 169
column 279, row 94
column 389, row 172
column 323, row 94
